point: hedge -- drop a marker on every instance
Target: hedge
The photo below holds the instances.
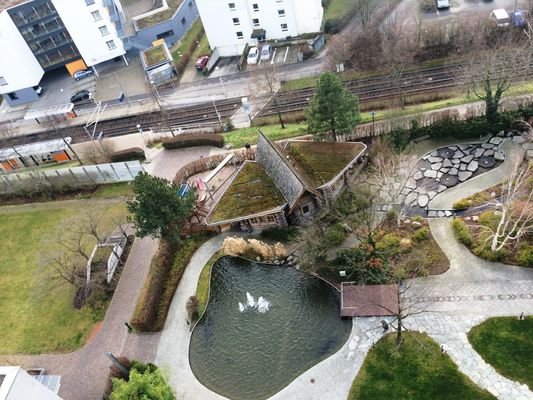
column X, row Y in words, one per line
column 461, row 232
column 133, row 153
column 194, row 140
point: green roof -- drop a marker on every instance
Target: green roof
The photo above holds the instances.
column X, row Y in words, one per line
column 161, row 16
column 251, row 192
column 155, row 55
column 320, row 162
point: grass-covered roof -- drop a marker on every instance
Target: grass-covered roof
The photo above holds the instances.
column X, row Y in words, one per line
column 251, row 192
column 320, row 162
column 155, row 55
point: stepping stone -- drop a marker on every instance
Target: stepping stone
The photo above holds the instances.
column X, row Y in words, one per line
column 423, row 200
column 449, row 180
column 464, row 146
column 501, row 133
column 434, row 159
column 448, row 213
column 487, row 145
column 467, row 159
column 441, row 214
column 441, row 188
column 446, row 152
column 499, row 155
column 458, row 154
column 452, row 148
column 436, row 166
column 405, row 191
column 432, row 194
column 430, row 174
column 421, row 190
column 411, row 198
column 434, row 153
column 472, row 167
column 479, row 152
column 488, row 153
column 410, row 184
column 425, row 157
column 462, row 167
column 418, row 175
column 447, row 163
column 432, row 213
column 487, row 162
column 464, row 175
column 444, row 170
column 496, row 140
column 453, row 171
column 467, row 151
column 439, row 174
column 456, row 161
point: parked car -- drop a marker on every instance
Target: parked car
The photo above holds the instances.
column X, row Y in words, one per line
column 201, row 63
column 443, row 4
column 83, row 73
column 81, row 97
column 253, row 55
column 500, row 17
column 265, row 52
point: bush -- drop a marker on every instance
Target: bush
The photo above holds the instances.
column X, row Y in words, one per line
column 335, row 235
column 489, row 219
column 525, row 256
column 461, row 232
column 182, row 141
column 390, row 243
column 420, row 234
column 428, row 6
column 285, row 234
column 486, row 253
column 462, row 204
column 145, row 382
column 134, row 153
column 253, row 248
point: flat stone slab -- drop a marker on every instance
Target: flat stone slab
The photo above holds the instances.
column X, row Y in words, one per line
column 472, row 167
column 459, row 154
column 462, row 167
column 436, row 166
column 434, row 159
column 432, row 194
column 487, row 162
column 418, row 175
column 432, row 213
column 410, row 184
column 456, row 161
column 467, row 159
column 499, row 155
column 488, row 153
column 464, row 175
column 518, row 139
column 423, row 200
column 453, row 171
column 446, row 152
column 479, row 152
column 444, row 170
column 449, row 180
column 441, row 188
column 487, row 145
column 430, row 174
column 447, row 163
column 496, row 140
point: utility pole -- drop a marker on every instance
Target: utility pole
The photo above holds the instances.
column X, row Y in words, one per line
column 155, row 95
column 58, row 132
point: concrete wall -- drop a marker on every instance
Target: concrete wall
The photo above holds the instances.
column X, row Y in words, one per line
column 25, row 95
column 280, row 19
column 85, row 32
column 18, row 65
column 18, row 384
column 187, row 10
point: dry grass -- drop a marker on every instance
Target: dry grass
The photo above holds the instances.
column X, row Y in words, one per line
column 252, row 248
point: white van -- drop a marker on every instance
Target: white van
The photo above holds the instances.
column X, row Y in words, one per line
column 443, row 4
column 500, row 17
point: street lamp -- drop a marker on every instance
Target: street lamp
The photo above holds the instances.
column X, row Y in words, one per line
column 145, row 147
column 373, row 114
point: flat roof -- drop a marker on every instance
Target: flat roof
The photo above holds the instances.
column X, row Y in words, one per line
column 5, row 4
column 163, row 14
column 27, row 150
column 368, row 300
column 250, row 193
column 320, row 162
column 61, row 109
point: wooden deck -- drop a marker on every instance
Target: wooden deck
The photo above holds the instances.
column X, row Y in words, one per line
column 368, row 300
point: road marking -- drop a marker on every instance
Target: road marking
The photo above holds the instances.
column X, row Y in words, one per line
column 286, row 53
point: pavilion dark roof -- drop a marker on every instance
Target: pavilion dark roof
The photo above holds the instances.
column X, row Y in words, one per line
column 369, row 300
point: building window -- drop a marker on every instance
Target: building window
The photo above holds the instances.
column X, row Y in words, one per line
column 284, row 28
column 231, row 6
column 13, row 96
column 89, row 2
column 306, row 209
column 103, row 30
column 240, row 35
column 165, row 34
column 183, row 21
column 281, row 13
column 3, row 81
column 236, row 21
column 255, row 6
column 111, row 45
column 255, row 21
column 96, row 15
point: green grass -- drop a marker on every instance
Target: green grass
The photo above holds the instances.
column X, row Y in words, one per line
column 202, row 289
column 415, row 372
column 251, row 192
column 155, row 55
column 338, row 9
column 186, row 42
column 113, row 190
column 506, row 343
column 238, row 138
column 36, row 314
column 160, row 16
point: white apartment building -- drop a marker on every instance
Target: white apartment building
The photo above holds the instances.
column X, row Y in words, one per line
column 231, row 24
column 17, row 384
column 41, row 35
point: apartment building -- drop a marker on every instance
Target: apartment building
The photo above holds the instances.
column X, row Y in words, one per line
column 41, row 35
column 231, row 24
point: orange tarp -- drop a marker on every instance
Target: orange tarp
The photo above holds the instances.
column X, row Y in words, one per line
column 74, row 66
column 60, row 156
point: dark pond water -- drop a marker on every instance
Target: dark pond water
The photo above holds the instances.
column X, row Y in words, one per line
column 264, row 326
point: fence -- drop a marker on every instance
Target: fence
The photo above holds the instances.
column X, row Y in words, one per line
column 71, row 177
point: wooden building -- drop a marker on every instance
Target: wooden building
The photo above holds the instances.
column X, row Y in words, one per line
column 34, row 154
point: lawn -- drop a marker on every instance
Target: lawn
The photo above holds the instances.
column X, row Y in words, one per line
column 186, row 43
column 507, row 344
column 417, row 371
column 202, row 289
column 238, row 138
column 338, row 9
column 37, row 314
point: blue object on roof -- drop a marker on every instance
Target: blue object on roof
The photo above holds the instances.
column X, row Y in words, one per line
column 184, row 189
column 519, row 18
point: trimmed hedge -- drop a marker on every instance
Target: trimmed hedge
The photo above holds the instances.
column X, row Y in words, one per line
column 461, row 232
column 194, row 140
column 133, row 153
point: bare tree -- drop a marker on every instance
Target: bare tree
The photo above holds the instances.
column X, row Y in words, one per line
column 516, row 208
column 269, row 83
column 363, row 10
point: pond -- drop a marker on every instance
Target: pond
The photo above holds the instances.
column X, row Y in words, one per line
column 264, row 326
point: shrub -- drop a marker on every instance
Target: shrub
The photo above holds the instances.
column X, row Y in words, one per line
column 194, row 140
column 134, row 153
column 461, row 232
column 192, row 308
column 284, row 234
column 252, row 248
column 420, row 234
column 489, row 219
column 462, row 204
column 428, row 6
column 525, row 256
column 486, row 253
column 390, row 243
column 335, row 235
